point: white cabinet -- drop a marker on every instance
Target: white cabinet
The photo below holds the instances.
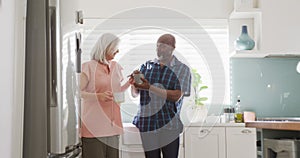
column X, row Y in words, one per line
column 230, row 140
column 252, row 19
column 207, row 142
column 132, row 152
column 250, row 16
column 131, row 144
column 128, row 150
column 241, row 142
column 270, row 28
column 220, row 142
column 248, row 54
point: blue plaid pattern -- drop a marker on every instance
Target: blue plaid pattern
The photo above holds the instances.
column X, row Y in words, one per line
column 156, row 112
column 184, row 76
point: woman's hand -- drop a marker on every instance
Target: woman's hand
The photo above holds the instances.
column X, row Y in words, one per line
column 106, row 96
column 131, row 77
column 131, row 80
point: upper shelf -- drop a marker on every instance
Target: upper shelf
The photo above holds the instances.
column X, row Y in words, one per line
column 260, row 54
column 245, row 13
column 247, row 54
column 253, row 18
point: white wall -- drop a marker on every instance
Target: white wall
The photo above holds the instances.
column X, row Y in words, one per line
column 280, row 19
column 281, row 26
column 196, row 8
column 12, row 13
column 6, row 68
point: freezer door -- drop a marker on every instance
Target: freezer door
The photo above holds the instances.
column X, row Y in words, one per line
column 35, row 142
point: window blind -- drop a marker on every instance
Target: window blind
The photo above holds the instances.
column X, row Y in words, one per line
column 138, row 44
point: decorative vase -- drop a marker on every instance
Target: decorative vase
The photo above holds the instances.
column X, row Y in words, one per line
column 244, row 42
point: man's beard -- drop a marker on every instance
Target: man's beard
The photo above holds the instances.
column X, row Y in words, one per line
column 164, row 56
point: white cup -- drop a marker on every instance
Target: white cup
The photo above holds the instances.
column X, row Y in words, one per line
column 119, row 97
column 137, row 78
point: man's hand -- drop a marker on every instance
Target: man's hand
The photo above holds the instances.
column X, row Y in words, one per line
column 145, row 85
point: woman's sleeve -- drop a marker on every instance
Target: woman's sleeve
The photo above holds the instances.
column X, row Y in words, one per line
column 86, row 70
column 119, row 73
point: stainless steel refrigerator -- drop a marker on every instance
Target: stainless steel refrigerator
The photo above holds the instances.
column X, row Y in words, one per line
column 52, row 102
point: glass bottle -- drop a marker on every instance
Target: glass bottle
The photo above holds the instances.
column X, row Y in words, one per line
column 238, row 116
column 244, row 41
column 232, row 112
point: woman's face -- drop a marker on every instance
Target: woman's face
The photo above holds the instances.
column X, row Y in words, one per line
column 111, row 56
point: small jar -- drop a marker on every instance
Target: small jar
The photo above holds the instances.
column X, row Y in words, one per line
column 227, row 115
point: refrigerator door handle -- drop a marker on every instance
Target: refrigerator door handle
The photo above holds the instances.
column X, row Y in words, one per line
column 51, row 58
column 78, row 52
column 78, row 74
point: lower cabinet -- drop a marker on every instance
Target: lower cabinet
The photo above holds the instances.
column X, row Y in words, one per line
column 131, row 144
column 132, row 151
column 206, row 142
column 137, row 152
column 199, row 142
column 220, row 142
column 241, row 142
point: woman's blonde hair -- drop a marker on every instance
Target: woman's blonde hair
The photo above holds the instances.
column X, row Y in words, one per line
column 106, row 44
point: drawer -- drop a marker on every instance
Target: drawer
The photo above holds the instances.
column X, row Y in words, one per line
column 240, row 131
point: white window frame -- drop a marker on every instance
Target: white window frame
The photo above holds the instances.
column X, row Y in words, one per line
column 139, row 44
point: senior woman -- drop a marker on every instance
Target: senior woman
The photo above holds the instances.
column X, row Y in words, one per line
column 101, row 119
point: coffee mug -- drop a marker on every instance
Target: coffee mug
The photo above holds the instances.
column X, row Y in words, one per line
column 119, row 97
column 137, row 78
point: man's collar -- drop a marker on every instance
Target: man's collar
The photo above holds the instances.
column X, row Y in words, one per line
column 156, row 61
column 174, row 61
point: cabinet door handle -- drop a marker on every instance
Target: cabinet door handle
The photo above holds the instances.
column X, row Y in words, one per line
column 203, row 133
column 246, row 131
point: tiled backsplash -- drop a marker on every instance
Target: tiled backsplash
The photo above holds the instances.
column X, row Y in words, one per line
column 267, row 86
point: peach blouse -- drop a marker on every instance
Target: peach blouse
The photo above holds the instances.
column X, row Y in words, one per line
column 98, row 118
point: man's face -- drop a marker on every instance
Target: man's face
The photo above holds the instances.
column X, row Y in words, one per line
column 164, row 51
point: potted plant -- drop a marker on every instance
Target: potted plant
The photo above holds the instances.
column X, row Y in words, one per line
column 198, row 110
column 198, row 87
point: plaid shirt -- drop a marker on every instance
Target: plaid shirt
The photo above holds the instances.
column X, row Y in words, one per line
column 156, row 112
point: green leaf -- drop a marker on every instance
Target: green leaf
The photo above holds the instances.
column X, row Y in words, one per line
column 199, row 104
column 196, row 84
column 203, row 87
column 203, row 98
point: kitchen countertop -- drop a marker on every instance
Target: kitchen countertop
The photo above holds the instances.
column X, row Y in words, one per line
column 215, row 124
column 276, row 125
column 130, row 125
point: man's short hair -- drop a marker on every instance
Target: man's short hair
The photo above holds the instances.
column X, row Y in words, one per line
column 167, row 39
